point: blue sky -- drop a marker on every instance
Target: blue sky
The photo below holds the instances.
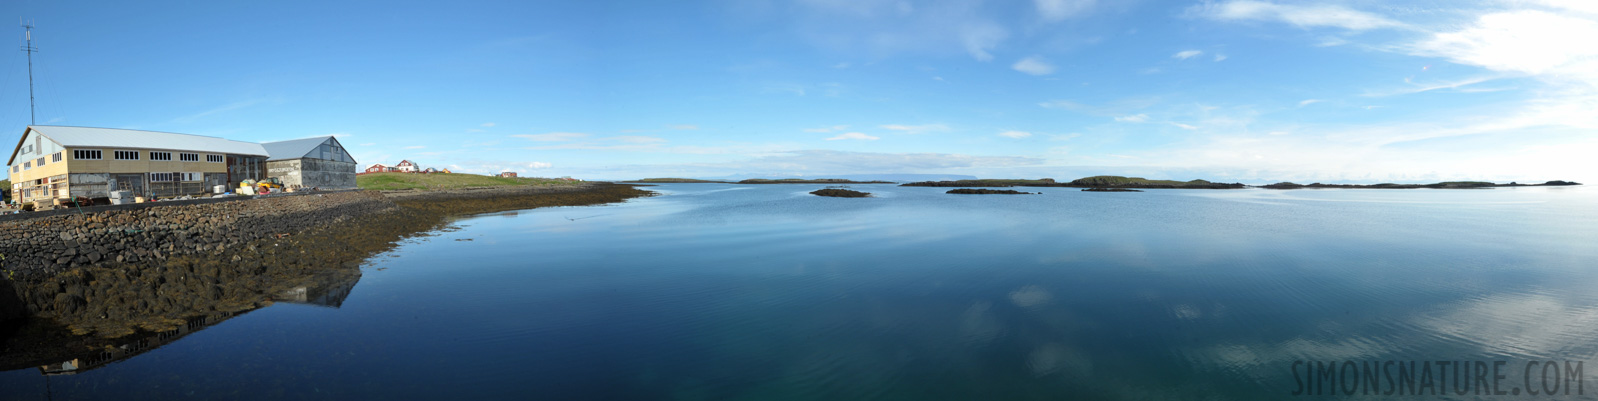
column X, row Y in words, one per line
column 1238, row 90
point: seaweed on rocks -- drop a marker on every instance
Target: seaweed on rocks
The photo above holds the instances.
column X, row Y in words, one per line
column 978, row 191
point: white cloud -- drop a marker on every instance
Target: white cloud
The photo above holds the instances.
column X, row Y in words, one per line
column 553, row 136
column 916, row 129
column 491, row 167
column 1135, row 118
column 414, row 147
column 635, row 139
column 368, row 144
column 877, row 28
column 1058, row 10
column 827, row 129
column 1307, row 102
column 685, row 127
column 1303, row 16
column 1220, row 58
column 1015, row 134
column 980, row 38
column 488, row 124
column 1185, row 126
column 1033, row 65
column 853, row 136
column 1187, row 54
column 1525, row 41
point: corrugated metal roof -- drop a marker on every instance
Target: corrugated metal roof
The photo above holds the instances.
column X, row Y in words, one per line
column 134, row 139
column 292, row 149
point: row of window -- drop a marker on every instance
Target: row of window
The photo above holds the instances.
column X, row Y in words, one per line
column 87, row 154
column 175, row 177
column 28, row 165
column 84, row 154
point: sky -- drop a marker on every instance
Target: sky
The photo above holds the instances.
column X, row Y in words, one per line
column 1250, row 91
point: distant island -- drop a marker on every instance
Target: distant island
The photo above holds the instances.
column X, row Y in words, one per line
column 808, row 181
column 840, row 193
column 679, row 181
column 1110, row 190
column 1101, row 181
column 1440, row 185
column 969, row 191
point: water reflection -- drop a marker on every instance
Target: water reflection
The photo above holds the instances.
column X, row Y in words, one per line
column 77, row 354
column 762, row 294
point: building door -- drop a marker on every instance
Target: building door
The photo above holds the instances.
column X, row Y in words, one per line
column 128, row 182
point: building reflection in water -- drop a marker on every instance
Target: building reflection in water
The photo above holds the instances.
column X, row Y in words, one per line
column 327, row 290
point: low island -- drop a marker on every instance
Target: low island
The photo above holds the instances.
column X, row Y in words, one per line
column 840, row 193
column 808, row 181
column 679, row 181
column 1110, row 190
column 971, row 191
column 1101, row 181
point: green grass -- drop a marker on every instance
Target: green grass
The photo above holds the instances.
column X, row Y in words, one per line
column 393, row 181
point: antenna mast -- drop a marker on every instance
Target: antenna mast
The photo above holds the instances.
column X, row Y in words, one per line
column 27, row 29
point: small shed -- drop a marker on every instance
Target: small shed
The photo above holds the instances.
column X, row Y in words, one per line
column 508, row 174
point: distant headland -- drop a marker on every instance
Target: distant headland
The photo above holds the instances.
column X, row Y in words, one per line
column 1100, row 182
column 1440, row 185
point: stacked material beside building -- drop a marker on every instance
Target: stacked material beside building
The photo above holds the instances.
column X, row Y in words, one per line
column 55, row 162
column 319, row 162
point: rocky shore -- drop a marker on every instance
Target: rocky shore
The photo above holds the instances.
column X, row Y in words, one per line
column 840, row 193
column 117, row 273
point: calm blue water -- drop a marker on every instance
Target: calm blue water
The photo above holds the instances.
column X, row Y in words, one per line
column 724, row 292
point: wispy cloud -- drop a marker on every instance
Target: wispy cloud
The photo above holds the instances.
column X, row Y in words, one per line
column 1187, row 54
column 853, row 136
column 1015, row 134
column 827, row 129
column 553, row 136
column 488, row 124
column 635, row 139
column 1459, row 85
column 1135, row 118
column 223, row 109
column 685, row 127
column 1304, row 16
column 1033, row 65
column 414, row 147
column 1307, row 102
column 1220, row 58
column 916, row 129
column 1059, row 10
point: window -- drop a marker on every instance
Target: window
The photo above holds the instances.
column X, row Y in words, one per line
column 213, row 158
column 189, row 177
column 16, row 169
column 162, row 156
column 161, row 177
column 27, row 165
column 189, row 157
column 39, row 162
column 27, row 149
column 56, row 157
column 127, row 155
column 82, row 154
